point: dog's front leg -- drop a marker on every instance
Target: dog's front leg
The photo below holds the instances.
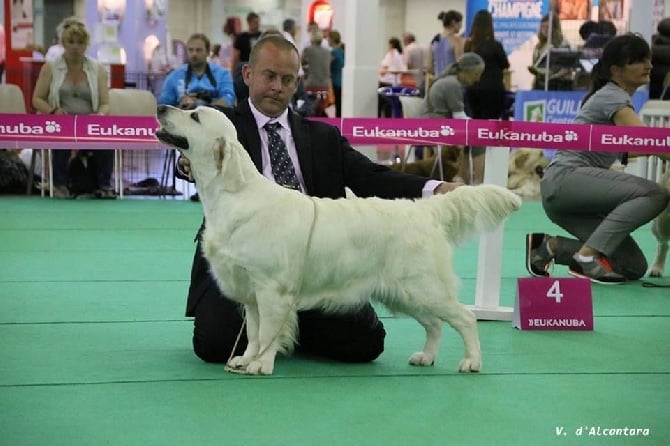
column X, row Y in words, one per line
column 251, row 317
column 275, row 317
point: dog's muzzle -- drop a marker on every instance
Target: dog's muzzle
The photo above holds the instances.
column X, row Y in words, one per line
column 164, row 135
column 172, row 140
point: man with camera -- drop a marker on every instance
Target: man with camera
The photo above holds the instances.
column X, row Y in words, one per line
column 198, row 82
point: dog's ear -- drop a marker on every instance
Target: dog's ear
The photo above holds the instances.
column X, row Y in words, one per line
column 234, row 164
column 219, row 153
column 521, row 159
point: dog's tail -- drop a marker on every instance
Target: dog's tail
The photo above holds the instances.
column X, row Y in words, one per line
column 470, row 210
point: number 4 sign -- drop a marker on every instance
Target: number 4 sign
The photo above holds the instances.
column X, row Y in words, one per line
column 553, row 304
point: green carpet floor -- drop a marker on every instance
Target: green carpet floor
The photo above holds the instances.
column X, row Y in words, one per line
column 94, row 349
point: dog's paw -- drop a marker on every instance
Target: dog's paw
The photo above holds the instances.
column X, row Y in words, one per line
column 469, row 365
column 258, row 367
column 239, row 363
column 656, row 271
column 422, row 359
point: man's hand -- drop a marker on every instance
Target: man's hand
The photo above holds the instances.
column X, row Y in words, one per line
column 444, row 188
column 187, row 101
column 184, row 167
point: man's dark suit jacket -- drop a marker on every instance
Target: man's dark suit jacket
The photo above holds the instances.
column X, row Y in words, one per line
column 328, row 164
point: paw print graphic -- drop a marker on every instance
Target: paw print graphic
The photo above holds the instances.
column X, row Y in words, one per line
column 447, row 131
column 570, row 135
column 52, row 127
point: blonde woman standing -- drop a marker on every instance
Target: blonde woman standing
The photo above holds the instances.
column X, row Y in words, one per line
column 75, row 84
column 559, row 78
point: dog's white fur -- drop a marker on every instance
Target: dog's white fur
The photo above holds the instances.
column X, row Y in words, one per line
column 661, row 230
column 278, row 251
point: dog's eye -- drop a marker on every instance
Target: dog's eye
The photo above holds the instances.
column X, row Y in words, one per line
column 195, row 117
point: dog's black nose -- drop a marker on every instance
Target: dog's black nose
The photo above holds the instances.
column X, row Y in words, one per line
column 161, row 109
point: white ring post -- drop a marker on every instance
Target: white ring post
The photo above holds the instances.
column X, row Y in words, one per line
column 487, row 293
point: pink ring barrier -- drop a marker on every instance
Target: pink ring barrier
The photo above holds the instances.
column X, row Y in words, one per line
column 19, row 131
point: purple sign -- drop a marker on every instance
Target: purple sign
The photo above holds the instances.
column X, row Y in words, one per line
column 553, row 304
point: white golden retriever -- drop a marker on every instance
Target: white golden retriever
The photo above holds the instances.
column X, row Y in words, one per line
column 661, row 230
column 277, row 251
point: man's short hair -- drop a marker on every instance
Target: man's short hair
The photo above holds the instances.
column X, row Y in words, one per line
column 277, row 40
column 251, row 16
column 288, row 25
column 202, row 37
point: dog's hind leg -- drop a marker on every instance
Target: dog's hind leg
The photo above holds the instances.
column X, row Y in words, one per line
column 433, row 327
column 251, row 320
column 464, row 322
column 460, row 319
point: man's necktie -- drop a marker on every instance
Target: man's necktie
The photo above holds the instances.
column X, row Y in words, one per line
column 282, row 166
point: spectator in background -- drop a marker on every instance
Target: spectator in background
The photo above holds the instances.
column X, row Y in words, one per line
column 75, row 84
column 486, row 98
column 56, row 49
column 444, row 99
column 660, row 59
column 606, row 28
column 447, row 47
column 214, row 54
column 159, row 67
column 587, row 28
column 595, row 36
column 289, row 30
column 390, row 65
column 336, row 66
column 241, row 51
column 226, row 53
column 559, row 78
column 415, row 59
column 316, row 65
column 312, row 27
column 198, row 81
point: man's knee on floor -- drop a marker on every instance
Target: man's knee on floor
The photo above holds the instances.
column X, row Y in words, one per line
column 366, row 348
column 369, row 350
column 215, row 350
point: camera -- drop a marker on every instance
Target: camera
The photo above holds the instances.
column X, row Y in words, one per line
column 202, row 97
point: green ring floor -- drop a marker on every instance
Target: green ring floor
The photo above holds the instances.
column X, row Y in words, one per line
column 94, row 349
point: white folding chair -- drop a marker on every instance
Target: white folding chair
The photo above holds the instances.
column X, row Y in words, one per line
column 128, row 102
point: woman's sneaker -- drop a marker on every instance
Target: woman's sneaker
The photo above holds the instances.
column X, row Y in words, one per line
column 597, row 270
column 538, row 258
